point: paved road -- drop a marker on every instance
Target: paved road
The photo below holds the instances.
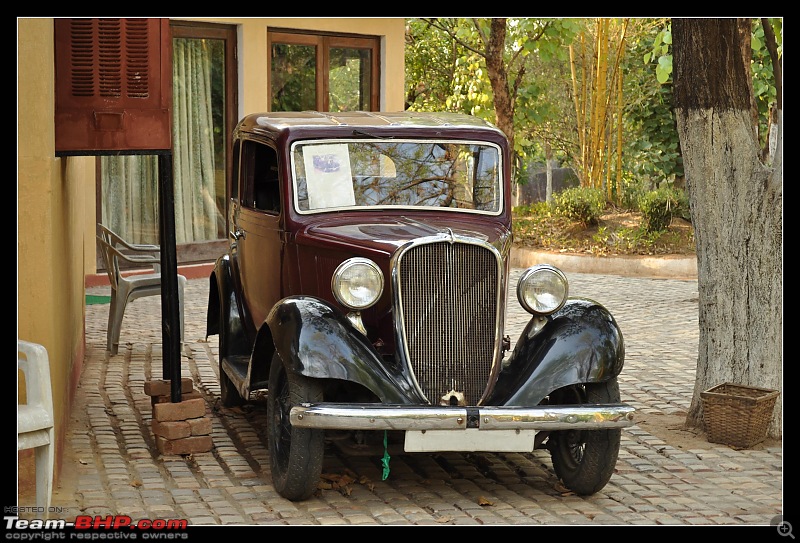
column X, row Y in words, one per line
column 112, row 468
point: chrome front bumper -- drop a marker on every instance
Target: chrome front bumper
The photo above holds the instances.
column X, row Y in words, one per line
column 490, row 418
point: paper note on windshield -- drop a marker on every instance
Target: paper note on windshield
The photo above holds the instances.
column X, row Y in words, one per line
column 328, row 177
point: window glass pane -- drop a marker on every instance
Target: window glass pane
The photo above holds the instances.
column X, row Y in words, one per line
column 349, row 79
column 463, row 177
column 198, row 139
column 129, row 204
column 293, row 77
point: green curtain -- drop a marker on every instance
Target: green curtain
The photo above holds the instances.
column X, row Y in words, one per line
column 130, row 196
column 130, row 182
column 196, row 213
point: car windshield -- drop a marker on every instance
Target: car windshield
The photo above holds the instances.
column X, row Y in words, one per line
column 336, row 174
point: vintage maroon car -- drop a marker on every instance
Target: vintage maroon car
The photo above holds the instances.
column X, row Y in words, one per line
column 364, row 296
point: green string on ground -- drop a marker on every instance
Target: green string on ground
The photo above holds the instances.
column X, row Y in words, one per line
column 386, row 457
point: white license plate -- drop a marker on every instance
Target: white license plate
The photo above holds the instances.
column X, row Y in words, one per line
column 471, row 439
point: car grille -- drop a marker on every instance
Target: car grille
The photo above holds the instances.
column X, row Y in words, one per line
column 449, row 294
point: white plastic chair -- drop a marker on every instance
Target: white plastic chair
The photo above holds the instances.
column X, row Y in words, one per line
column 35, row 422
column 125, row 289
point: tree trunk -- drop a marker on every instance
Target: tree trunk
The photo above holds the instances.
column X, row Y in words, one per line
column 736, row 209
column 498, row 78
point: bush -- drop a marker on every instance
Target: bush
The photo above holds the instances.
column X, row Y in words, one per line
column 582, row 204
column 659, row 206
column 631, row 193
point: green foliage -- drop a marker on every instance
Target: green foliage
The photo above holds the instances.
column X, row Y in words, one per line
column 446, row 70
column 431, row 61
column 661, row 54
column 545, row 111
column 763, row 77
column 443, row 71
column 658, row 207
column 652, row 148
column 654, row 154
column 631, row 193
column 582, row 204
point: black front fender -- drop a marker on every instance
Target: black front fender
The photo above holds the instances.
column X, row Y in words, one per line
column 581, row 343
column 314, row 339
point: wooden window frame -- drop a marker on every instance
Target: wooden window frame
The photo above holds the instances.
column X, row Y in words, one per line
column 323, row 42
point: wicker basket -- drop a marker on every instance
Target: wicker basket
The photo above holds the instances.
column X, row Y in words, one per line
column 737, row 415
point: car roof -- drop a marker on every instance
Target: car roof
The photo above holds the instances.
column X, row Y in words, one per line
column 306, row 122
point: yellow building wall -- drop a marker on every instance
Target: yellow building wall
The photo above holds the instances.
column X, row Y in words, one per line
column 50, row 203
column 56, row 205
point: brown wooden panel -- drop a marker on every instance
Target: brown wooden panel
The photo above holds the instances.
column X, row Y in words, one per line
column 113, row 85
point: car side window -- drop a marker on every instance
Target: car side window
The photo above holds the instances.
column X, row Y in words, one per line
column 260, row 187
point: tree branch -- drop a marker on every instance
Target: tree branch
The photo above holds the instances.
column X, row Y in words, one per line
column 436, row 24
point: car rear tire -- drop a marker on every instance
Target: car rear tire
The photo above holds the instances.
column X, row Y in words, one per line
column 295, row 453
column 584, row 460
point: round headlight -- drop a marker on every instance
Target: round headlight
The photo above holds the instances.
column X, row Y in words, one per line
column 542, row 289
column 357, row 283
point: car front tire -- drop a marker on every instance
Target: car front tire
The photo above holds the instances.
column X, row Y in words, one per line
column 584, row 460
column 295, row 453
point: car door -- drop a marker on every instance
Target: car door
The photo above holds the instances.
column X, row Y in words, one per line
column 258, row 232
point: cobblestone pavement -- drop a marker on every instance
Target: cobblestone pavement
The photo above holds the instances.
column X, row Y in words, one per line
column 113, row 467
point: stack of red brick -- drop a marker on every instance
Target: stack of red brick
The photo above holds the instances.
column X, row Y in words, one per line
column 179, row 427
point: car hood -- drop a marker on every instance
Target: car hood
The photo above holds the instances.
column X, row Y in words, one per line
column 387, row 234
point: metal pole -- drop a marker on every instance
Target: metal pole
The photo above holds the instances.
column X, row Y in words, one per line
column 170, row 311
